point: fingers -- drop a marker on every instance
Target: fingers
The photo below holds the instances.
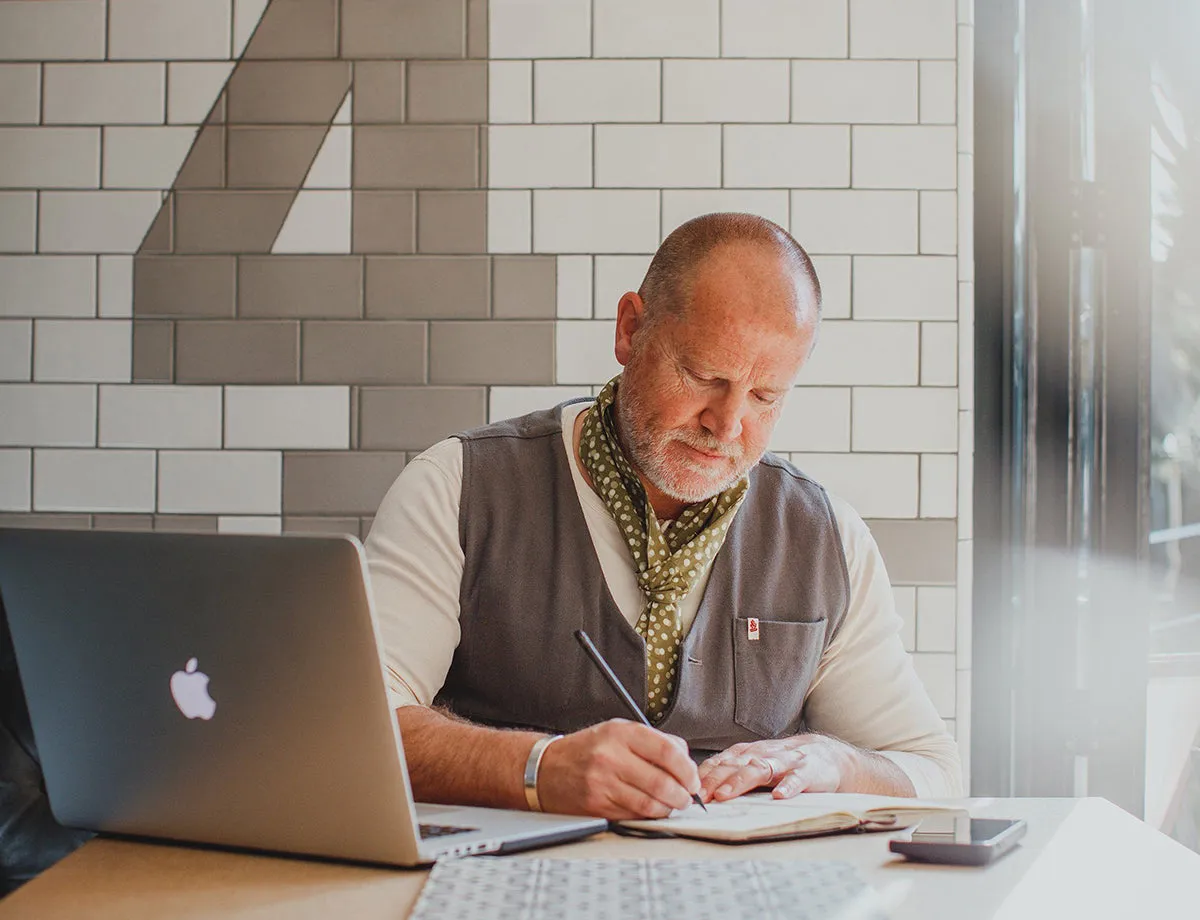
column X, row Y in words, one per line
column 669, row 754
column 618, row 769
column 747, row 766
column 730, row 780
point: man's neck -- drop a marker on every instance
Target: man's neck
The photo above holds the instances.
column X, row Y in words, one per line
column 665, row 507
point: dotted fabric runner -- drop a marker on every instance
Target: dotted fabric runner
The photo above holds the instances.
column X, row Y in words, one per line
column 487, row 887
column 669, row 559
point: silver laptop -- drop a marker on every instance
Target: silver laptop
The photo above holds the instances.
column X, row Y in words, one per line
column 227, row 690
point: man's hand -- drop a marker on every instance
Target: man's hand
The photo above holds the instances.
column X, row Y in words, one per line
column 801, row 763
column 617, row 769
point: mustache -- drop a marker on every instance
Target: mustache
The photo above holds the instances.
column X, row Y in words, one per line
column 708, row 444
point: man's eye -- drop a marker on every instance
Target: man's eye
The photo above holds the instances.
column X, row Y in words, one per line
column 767, row 399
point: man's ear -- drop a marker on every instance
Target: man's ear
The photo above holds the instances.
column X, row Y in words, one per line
column 631, row 310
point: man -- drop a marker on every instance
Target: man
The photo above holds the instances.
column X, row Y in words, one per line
column 748, row 609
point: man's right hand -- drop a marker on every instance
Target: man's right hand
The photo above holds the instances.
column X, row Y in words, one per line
column 617, row 770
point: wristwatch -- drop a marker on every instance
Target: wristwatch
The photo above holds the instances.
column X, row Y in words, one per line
column 531, row 770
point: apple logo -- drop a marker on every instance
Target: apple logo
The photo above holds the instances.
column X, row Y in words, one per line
column 189, row 687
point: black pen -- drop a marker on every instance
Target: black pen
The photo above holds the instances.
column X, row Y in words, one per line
column 613, row 681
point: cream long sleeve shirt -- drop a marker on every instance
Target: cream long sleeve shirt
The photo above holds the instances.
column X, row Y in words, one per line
column 865, row 690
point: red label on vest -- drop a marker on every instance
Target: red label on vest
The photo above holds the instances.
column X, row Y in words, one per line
column 752, row 629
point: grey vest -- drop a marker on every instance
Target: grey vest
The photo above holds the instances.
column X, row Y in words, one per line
column 531, row 578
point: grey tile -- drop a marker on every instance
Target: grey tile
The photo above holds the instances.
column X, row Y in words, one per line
column 495, row 352
column 416, row 156
column 447, row 91
column 379, row 92
column 524, row 287
column 918, row 552
column 153, row 351
column 425, row 287
column 215, row 351
column 185, row 523
column 403, row 28
column 158, row 238
column 296, row 29
column 271, row 157
column 342, row 482
column 355, row 398
column 193, row 286
column 49, row 521
column 204, row 166
column 183, row 285
column 330, row 526
column 287, row 92
column 136, row 522
column 232, row 221
column 413, row 418
column 477, row 29
column 296, row 286
column 384, row 222
column 364, row 351
column 452, row 222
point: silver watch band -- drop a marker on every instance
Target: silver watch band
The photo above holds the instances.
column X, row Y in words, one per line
column 531, row 770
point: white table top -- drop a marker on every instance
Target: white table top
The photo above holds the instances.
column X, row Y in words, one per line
column 1081, row 858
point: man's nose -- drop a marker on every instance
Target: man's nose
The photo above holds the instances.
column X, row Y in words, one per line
column 723, row 418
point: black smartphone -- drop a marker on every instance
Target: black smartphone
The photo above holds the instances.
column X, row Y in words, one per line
column 959, row 840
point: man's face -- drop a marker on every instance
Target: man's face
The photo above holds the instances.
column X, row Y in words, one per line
column 702, row 389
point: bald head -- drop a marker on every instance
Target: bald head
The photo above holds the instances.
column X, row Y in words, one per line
column 666, row 289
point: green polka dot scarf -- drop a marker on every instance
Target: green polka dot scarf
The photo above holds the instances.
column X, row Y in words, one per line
column 670, row 559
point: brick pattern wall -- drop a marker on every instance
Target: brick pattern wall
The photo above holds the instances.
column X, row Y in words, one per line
column 254, row 256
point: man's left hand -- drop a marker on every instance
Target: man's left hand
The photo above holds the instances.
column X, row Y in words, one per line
column 801, row 763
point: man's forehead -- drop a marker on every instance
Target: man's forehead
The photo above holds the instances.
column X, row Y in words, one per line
column 750, row 275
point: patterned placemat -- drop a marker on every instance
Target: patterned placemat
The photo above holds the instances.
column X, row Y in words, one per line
column 489, row 887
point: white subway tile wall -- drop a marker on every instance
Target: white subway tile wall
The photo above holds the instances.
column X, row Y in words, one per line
column 104, row 94
column 608, row 124
column 725, row 90
column 81, row 350
column 587, row 91
column 220, row 482
column 573, row 287
column 16, row 479
column 784, row 28
column 160, row 416
column 664, row 28
column 192, row 88
column 615, row 275
column 16, row 350
column 856, row 92
column 20, row 94
column 510, row 92
column 539, row 28
column 47, row 415
column 113, row 481
column 18, row 221
column 877, row 485
column 296, row 417
column 855, row 221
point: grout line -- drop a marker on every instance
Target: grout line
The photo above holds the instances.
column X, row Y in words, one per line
column 720, row 29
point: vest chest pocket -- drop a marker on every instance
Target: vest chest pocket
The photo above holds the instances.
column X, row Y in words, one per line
column 773, row 665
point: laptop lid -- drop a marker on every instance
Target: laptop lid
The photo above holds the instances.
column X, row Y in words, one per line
column 224, row 689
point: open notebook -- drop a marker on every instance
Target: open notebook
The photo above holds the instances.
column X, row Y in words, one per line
column 759, row 817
